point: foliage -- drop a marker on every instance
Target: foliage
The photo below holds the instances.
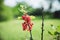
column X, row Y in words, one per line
column 5, row 12
column 32, row 17
column 59, row 1
column 18, row 11
column 56, row 14
column 19, row 18
column 1, row 10
column 37, row 12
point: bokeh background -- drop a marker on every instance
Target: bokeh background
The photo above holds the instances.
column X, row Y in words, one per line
column 11, row 21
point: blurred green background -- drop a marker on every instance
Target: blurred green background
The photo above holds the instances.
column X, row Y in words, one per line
column 11, row 21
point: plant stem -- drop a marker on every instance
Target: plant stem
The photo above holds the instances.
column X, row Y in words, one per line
column 42, row 24
column 30, row 33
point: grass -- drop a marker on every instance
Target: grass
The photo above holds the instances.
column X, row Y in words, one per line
column 12, row 30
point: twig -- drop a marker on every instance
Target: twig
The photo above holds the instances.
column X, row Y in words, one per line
column 42, row 24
